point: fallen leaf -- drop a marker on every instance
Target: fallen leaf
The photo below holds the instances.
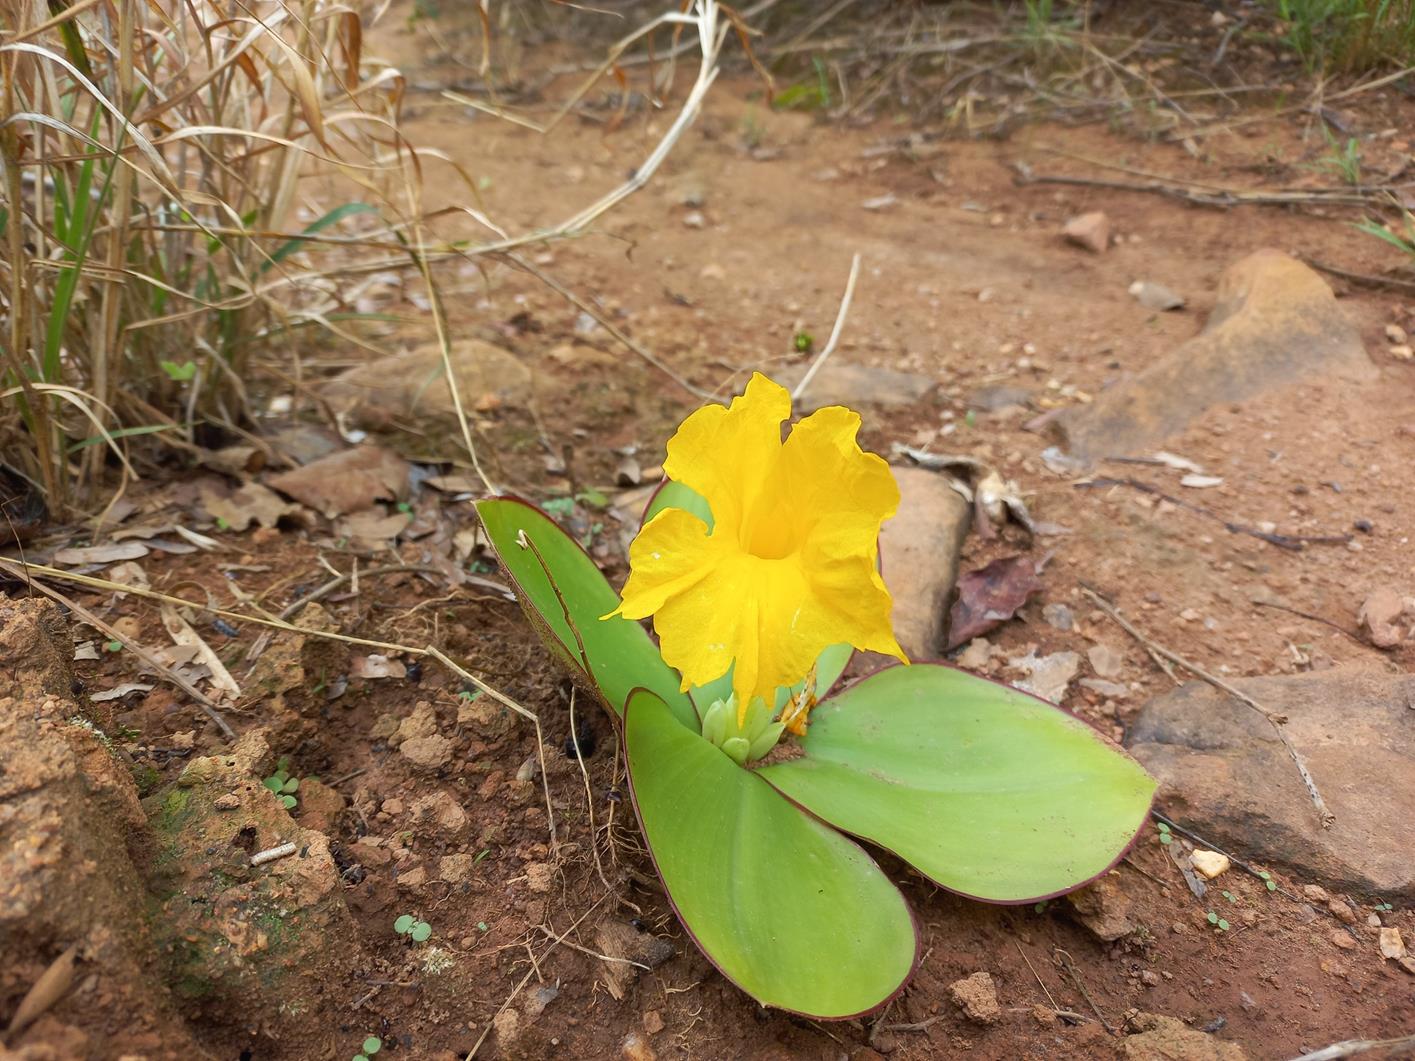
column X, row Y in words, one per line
column 129, row 573
column 376, row 666
column 249, row 503
column 373, row 526
column 454, row 483
column 87, row 650
column 990, row 596
column 120, row 691
column 346, row 482
column 201, row 541
column 109, row 553
column 182, row 633
column 1201, row 482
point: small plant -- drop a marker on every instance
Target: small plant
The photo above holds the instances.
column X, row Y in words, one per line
column 412, row 928
column 811, row 94
column 1267, row 879
column 113, row 646
column 803, row 342
column 1230, row 896
column 283, row 785
column 372, row 1045
column 1219, row 923
column 1342, row 159
column 1404, row 243
column 1165, row 837
column 757, row 561
column 1384, row 908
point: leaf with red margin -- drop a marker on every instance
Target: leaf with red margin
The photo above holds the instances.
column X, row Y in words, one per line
column 987, row 791
column 564, row 595
column 792, row 912
column 989, row 596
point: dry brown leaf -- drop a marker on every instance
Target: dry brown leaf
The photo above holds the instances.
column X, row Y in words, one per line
column 182, row 634
column 47, row 990
column 239, row 508
column 347, row 482
column 108, row 553
column 990, row 596
column 373, row 526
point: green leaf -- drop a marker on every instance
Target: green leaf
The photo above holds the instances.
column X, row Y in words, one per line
column 275, row 783
column 617, row 655
column 333, row 217
column 789, row 910
column 403, row 925
column 990, row 792
column 421, row 931
column 179, row 373
column 373, row 1044
column 292, row 785
column 289, row 802
column 829, row 666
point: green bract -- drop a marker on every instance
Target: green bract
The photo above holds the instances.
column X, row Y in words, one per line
column 985, row 790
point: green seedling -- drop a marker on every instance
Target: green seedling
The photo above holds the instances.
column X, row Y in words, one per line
column 283, row 785
column 1230, row 896
column 1384, row 908
column 179, row 373
column 1268, row 881
column 372, row 1045
column 1165, row 837
column 415, row 930
column 803, row 342
column 113, row 646
column 1218, row 922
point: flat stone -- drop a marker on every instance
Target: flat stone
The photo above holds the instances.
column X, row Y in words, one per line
column 1276, row 322
column 919, row 551
column 1224, row 773
column 1104, row 908
column 1158, row 1038
column 841, row 383
column 413, row 385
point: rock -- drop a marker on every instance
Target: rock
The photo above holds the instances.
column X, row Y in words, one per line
column 420, row 722
column 539, row 876
column 1341, row 940
column 1342, row 912
column 413, row 878
column 1103, row 907
column 491, row 721
column 841, row 383
column 428, row 753
column 1156, row 296
column 996, row 399
column 1209, row 864
column 919, row 552
column 1106, row 661
column 636, row 1048
column 653, row 1022
column 1110, row 690
column 1396, row 335
column 1391, row 944
column 349, row 481
column 230, row 801
column 976, row 995
column 1315, row 893
column 454, row 869
column 1404, row 352
column 1225, row 774
column 1156, row 1038
column 1380, row 615
column 507, row 1025
column 320, row 806
column 1090, row 230
column 443, row 810
column 539, row 999
column 977, row 655
column 412, row 386
column 1058, row 617
column 1276, row 321
column 1408, row 964
column 1047, row 676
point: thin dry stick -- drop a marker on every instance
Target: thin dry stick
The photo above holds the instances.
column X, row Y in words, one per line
column 840, row 315
column 1067, row 964
column 329, row 587
column 1276, row 721
column 589, row 794
column 1350, row 1047
column 1036, row 975
column 592, row 953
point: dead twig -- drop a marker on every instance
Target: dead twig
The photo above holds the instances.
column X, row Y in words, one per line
column 1209, row 845
column 1351, row 1047
column 1316, row 619
column 293, row 609
column 1275, row 720
column 1067, row 964
column 1364, row 279
column 840, row 316
column 1292, row 542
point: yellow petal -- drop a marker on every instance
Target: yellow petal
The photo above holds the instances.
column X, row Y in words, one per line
column 671, row 554
column 702, row 630
column 726, row 454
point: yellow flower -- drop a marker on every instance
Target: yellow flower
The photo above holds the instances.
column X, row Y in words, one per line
column 789, row 565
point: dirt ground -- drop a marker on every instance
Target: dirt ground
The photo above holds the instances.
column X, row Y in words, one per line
column 743, row 240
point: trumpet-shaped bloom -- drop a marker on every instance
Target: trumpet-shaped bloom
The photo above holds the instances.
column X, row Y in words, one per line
column 788, row 567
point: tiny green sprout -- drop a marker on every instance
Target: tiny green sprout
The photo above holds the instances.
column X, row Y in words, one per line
column 222, row 524
column 468, row 695
column 1218, row 922
column 283, row 785
column 1230, row 897
column 1213, row 918
column 481, row 926
column 1384, row 907
column 803, row 342
column 372, row 1045
column 1267, row 880
column 179, row 373
column 1165, row 837
column 404, row 507
column 1041, row 907
column 415, row 930
column 113, row 646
